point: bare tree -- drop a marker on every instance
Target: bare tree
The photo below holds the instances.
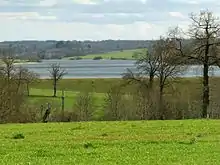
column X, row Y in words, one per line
column 84, row 106
column 56, row 74
column 19, row 76
column 169, row 67
column 8, row 63
column 24, row 76
column 10, row 99
column 204, row 34
column 113, row 103
column 30, row 77
column 143, row 76
column 162, row 62
column 146, row 67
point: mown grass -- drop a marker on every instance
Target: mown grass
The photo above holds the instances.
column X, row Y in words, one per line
column 139, row 142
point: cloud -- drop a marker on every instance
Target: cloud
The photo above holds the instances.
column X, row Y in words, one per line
column 95, row 19
column 25, row 16
column 177, row 14
column 75, row 31
column 86, row 1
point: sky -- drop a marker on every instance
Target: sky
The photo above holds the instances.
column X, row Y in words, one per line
column 95, row 19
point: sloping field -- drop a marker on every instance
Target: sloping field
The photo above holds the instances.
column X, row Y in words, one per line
column 125, row 54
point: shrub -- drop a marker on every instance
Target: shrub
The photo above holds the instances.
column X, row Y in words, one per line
column 18, row 136
column 119, row 58
column 11, row 101
column 84, row 106
column 68, row 116
column 113, row 105
column 88, row 145
column 97, row 58
column 75, row 58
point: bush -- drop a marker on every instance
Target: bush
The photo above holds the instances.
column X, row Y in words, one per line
column 97, row 58
column 68, row 116
column 88, row 145
column 84, row 106
column 75, row 58
column 11, row 101
column 113, row 105
column 18, row 136
column 120, row 58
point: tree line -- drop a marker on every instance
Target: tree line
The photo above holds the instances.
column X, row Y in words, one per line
column 154, row 93
column 164, row 60
column 36, row 50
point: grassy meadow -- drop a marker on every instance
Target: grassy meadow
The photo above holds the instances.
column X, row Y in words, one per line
column 188, row 90
column 126, row 143
column 42, row 92
column 123, row 142
column 17, row 61
column 125, row 54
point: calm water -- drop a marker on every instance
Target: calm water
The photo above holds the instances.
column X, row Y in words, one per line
column 100, row 68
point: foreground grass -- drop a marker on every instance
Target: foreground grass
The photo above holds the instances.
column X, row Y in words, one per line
column 141, row 142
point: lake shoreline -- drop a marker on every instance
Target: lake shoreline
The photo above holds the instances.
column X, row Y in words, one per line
column 118, row 78
column 99, row 69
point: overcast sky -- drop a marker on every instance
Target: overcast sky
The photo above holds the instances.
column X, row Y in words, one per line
column 95, row 19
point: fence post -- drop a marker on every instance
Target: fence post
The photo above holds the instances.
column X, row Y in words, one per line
column 47, row 113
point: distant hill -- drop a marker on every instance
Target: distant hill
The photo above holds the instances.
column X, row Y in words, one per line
column 60, row 49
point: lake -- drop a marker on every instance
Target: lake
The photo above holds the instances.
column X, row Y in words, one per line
column 100, row 68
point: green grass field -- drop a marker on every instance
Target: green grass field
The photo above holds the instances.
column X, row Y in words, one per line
column 91, row 84
column 17, row 61
column 38, row 96
column 43, row 90
column 126, row 54
column 189, row 142
column 184, row 142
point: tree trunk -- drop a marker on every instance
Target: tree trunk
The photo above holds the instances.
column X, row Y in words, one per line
column 205, row 104
column 19, row 84
column 151, row 81
column 161, row 108
column 28, row 92
column 55, row 88
column 205, row 91
column 8, row 76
